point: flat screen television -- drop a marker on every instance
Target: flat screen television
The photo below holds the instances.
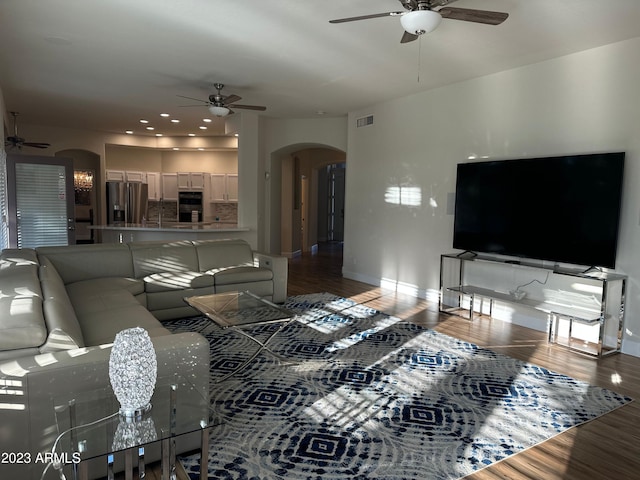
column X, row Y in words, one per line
column 562, row 209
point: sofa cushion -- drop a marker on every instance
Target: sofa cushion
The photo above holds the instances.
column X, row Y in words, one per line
column 103, row 326
column 75, row 263
column 232, row 275
column 155, row 257
column 17, row 256
column 88, row 305
column 60, row 317
column 166, row 281
column 99, row 285
column 22, row 322
column 216, row 254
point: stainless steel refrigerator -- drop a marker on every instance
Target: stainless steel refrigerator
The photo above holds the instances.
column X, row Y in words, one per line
column 126, row 202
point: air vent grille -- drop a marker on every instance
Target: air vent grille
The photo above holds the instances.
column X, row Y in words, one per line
column 364, row 121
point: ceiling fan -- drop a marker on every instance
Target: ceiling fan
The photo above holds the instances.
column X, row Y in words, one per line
column 420, row 18
column 16, row 141
column 221, row 105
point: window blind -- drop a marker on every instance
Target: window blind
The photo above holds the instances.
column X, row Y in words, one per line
column 41, row 205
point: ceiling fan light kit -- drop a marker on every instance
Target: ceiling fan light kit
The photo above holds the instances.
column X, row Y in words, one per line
column 219, row 111
column 420, row 22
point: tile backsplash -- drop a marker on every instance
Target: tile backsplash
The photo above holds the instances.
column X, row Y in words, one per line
column 169, row 211
column 224, row 212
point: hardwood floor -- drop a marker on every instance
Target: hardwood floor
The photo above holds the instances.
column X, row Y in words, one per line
column 606, row 448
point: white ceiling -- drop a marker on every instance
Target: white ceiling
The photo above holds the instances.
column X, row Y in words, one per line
column 104, row 65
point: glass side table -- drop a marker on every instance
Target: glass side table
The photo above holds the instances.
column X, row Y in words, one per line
column 90, row 427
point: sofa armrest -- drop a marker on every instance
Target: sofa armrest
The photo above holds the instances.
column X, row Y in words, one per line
column 279, row 265
column 28, row 386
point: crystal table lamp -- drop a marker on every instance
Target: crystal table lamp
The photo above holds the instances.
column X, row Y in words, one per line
column 133, row 370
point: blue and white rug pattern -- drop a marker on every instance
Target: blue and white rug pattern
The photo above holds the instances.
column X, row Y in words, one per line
column 369, row 396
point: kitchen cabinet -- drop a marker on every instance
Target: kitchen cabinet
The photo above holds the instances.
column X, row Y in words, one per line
column 136, row 177
column 191, row 180
column 154, row 185
column 115, row 175
column 170, row 186
column 224, row 187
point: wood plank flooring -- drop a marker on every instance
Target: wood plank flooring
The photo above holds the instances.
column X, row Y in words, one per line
column 606, row 448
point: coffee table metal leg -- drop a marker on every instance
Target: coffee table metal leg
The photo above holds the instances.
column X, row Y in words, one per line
column 263, row 346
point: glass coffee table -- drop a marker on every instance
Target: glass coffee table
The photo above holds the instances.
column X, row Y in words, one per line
column 240, row 311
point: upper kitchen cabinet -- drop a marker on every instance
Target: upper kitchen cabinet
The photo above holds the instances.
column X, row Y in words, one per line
column 115, row 175
column 170, row 186
column 224, row 187
column 191, row 180
column 154, row 185
column 136, row 177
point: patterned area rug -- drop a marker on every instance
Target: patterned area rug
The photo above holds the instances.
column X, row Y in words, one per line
column 369, row 396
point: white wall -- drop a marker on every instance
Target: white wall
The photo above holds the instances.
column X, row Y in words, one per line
column 581, row 103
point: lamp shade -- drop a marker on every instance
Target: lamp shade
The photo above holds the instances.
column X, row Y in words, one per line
column 219, row 111
column 420, row 21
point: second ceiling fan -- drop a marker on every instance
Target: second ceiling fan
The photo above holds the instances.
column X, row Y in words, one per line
column 220, row 105
column 420, row 18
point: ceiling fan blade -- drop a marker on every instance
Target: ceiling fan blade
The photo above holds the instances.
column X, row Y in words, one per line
column 36, row 145
column 191, row 98
column 231, row 99
column 471, row 15
column 247, row 107
column 366, row 17
column 408, row 37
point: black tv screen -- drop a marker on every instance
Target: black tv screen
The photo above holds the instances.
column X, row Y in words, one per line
column 563, row 209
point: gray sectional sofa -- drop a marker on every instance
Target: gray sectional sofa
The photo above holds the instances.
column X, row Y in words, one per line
column 60, row 308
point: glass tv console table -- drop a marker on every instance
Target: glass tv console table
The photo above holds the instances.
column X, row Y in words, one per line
column 584, row 309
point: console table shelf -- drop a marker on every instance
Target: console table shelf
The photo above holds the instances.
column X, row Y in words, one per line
column 592, row 299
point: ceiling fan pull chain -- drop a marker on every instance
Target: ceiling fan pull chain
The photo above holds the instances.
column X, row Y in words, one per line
column 419, row 55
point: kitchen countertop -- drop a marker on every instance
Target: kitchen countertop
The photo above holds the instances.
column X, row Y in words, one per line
column 173, row 226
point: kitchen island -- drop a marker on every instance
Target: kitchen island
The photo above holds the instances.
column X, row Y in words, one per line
column 135, row 232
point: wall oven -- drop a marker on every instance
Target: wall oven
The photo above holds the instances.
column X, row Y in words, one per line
column 189, row 202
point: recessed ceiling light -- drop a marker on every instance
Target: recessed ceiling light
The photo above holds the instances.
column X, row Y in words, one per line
column 176, row 148
column 129, row 132
column 150, row 128
column 202, row 127
column 158, row 134
column 144, row 121
column 164, row 115
column 201, row 149
column 175, row 120
column 192, row 134
column 208, row 120
column 321, row 112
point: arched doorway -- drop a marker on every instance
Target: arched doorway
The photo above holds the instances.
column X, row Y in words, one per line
column 299, row 197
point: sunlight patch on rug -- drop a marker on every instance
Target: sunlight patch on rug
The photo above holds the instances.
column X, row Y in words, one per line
column 369, row 396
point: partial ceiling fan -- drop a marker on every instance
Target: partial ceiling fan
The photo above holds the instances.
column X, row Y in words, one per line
column 18, row 142
column 221, row 105
column 420, row 18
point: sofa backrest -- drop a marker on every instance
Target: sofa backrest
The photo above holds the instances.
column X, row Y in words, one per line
column 216, row 254
column 22, row 323
column 163, row 256
column 75, row 263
